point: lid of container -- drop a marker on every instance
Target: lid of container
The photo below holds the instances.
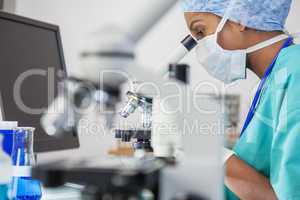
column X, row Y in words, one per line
column 8, row 125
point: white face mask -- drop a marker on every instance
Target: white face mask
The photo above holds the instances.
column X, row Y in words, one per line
column 227, row 65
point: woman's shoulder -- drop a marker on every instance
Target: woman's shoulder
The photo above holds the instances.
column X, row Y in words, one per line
column 290, row 56
column 289, row 59
column 287, row 69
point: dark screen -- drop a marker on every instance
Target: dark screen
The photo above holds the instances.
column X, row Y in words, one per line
column 31, row 64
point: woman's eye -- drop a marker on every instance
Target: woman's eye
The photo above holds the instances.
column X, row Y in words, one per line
column 198, row 30
column 199, row 35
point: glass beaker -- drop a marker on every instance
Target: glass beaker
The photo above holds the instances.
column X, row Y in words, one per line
column 23, row 187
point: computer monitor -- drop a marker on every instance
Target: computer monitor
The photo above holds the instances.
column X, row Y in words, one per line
column 31, row 65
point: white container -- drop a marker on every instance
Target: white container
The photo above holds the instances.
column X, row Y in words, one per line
column 5, row 160
column 5, row 166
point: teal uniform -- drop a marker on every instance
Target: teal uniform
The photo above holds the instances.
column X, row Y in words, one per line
column 271, row 142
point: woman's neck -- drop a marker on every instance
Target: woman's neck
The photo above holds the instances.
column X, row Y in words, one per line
column 260, row 60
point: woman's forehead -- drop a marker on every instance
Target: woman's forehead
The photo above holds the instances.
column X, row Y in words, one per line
column 204, row 16
column 201, row 18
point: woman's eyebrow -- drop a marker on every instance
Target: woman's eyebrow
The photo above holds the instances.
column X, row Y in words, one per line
column 191, row 26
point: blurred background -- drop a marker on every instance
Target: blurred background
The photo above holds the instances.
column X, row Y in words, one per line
column 79, row 18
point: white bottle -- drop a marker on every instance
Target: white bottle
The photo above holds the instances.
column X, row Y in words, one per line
column 5, row 166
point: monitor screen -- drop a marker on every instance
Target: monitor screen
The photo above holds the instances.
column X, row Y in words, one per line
column 31, row 64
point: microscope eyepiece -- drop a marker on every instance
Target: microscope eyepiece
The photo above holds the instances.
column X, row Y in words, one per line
column 189, row 42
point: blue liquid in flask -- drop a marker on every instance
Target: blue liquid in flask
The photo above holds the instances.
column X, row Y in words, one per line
column 23, row 187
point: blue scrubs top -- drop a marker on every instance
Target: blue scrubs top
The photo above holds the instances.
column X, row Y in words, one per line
column 271, row 142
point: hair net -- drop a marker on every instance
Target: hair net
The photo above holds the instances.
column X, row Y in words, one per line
column 265, row 15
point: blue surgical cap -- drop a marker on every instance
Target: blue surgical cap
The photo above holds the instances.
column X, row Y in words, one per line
column 264, row 15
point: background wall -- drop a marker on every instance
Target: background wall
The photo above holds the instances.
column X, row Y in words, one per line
column 8, row 5
column 1, row 4
column 77, row 18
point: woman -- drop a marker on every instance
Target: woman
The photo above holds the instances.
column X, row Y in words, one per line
column 233, row 35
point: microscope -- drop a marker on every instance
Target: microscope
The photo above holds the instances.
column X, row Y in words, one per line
column 146, row 100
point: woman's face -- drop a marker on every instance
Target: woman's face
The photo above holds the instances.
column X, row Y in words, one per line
column 204, row 24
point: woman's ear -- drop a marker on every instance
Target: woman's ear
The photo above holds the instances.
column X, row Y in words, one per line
column 233, row 36
column 237, row 27
column 242, row 27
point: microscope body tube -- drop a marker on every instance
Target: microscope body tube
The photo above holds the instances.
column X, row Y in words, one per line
column 186, row 45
